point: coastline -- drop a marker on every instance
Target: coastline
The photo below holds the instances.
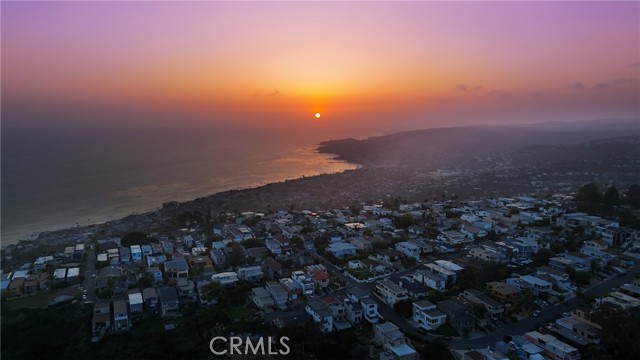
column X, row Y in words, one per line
column 49, row 233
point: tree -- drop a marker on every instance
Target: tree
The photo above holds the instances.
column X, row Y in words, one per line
column 134, row 238
column 620, row 333
column 589, row 198
column 403, row 308
column 610, row 199
column 633, row 196
column 479, row 310
column 542, row 257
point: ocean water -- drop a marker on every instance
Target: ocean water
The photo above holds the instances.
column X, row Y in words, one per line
column 59, row 179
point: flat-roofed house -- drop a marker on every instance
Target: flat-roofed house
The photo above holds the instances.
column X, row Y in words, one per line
column 120, row 316
column 261, row 297
column 101, row 321
column 169, row 301
column 427, row 316
column 135, row 302
column 391, row 292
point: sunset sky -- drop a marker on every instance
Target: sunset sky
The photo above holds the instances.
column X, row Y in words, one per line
column 383, row 65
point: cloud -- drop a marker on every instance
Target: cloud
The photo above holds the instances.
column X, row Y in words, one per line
column 626, row 81
column 275, row 92
column 601, row 86
column 465, row 87
column 634, row 65
column 577, row 86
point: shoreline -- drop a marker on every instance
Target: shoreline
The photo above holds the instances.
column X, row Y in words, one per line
column 157, row 208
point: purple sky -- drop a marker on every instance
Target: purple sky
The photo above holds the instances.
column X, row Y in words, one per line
column 361, row 64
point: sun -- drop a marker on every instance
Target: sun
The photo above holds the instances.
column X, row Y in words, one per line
column 317, row 115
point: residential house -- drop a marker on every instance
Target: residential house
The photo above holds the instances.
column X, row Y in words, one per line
column 391, row 292
column 150, row 297
column 394, row 344
column 389, row 256
column 278, row 293
column 553, row 348
column 225, row 278
column 261, row 297
column 503, row 292
column 272, row 269
column 135, row 302
column 16, row 287
column 176, row 268
column 457, row 316
column 251, row 274
column 156, row 275
column 101, row 321
column 200, row 265
column 204, row 296
column 485, row 254
column 274, row 246
column 169, row 301
column 370, row 310
column 536, row 284
column 155, row 260
column 186, row 291
column 67, row 294
column 409, row 249
column 494, row 308
column 125, row 254
column 353, row 311
column 433, row 281
column 121, row 320
column 414, row 289
column 218, row 258
column 321, row 315
column 318, row 274
column 305, row 282
column 30, row 286
column 136, row 253
column 361, row 243
column 452, row 237
column 341, row 249
column 427, row 316
column 59, row 275
column 294, row 290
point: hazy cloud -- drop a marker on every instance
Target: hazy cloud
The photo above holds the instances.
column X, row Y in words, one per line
column 577, row 86
column 601, row 86
column 464, row 87
column 275, row 92
column 626, row 81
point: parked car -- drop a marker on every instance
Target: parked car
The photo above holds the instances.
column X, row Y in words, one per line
column 536, row 313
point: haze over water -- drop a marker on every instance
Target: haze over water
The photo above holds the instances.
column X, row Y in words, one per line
column 54, row 180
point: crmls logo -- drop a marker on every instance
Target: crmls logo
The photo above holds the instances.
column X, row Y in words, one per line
column 240, row 346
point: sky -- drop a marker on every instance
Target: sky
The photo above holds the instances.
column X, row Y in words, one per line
column 375, row 65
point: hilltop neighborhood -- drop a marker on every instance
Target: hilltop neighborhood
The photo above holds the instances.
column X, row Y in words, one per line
column 459, row 271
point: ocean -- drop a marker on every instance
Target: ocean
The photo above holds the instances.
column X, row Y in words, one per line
column 55, row 179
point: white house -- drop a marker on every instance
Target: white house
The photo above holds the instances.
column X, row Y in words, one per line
column 321, row 314
column 225, row 278
column 427, row 316
column 340, row 249
column 391, row 292
column 409, row 249
column 430, row 279
column 250, row 273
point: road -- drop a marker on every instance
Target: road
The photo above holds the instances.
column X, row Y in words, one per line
column 546, row 315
